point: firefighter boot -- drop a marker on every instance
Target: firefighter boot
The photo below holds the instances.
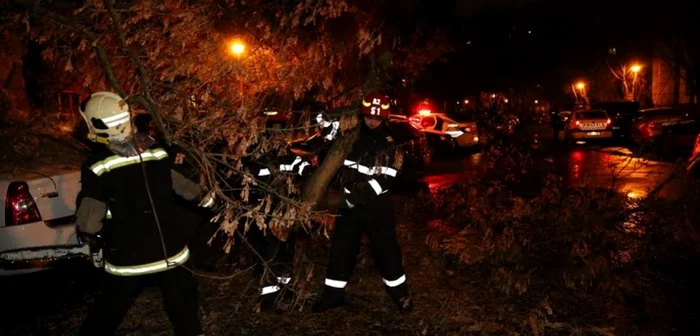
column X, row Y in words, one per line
column 401, row 297
column 331, row 298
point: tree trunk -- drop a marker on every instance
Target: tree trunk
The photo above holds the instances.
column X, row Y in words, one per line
column 315, row 187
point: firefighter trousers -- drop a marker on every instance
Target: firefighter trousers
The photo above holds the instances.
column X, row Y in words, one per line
column 277, row 254
column 180, row 300
column 378, row 223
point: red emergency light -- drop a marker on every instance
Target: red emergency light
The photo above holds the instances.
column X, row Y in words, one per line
column 424, row 112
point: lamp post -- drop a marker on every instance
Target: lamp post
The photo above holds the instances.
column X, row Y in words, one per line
column 635, row 69
column 237, row 49
column 579, row 90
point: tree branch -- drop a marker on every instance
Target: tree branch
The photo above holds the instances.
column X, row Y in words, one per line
column 147, row 98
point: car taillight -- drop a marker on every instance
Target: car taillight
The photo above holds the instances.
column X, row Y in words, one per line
column 20, row 207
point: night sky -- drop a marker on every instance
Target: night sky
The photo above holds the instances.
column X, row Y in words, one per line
column 502, row 44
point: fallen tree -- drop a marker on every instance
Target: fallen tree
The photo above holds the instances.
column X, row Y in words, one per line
column 173, row 60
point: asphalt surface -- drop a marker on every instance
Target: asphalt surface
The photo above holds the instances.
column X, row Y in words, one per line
column 581, row 165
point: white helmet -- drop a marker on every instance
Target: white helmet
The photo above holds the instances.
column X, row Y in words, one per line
column 107, row 117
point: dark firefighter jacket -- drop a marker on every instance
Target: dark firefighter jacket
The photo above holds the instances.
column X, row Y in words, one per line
column 133, row 244
column 273, row 170
column 368, row 171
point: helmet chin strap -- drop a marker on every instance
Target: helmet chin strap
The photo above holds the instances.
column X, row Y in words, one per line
column 95, row 138
column 130, row 146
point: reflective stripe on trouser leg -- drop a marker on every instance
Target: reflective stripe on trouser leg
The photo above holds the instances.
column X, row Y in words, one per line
column 335, row 283
column 385, row 247
column 269, row 290
column 275, row 288
column 395, row 283
column 345, row 246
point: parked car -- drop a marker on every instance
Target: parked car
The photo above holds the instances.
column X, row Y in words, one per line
column 680, row 137
column 37, row 222
column 621, row 114
column 446, row 134
column 692, row 167
column 417, row 155
column 649, row 124
column 588, row 125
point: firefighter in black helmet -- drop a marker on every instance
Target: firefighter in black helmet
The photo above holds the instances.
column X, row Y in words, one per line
column 132, row 178
column 365, row 177
column 274, row 248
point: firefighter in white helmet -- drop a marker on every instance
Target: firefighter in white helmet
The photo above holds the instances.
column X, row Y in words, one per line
column 132, row 177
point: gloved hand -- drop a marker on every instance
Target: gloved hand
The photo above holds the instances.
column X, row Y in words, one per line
column 89, row 238
column 209, row 200
column 96, row 244
column 329, row 128
column 352, row 197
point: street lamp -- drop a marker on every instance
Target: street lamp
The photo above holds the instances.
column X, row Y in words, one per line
column 537, row 101
column 237, row 48
column 580, row 85
column 636, row 68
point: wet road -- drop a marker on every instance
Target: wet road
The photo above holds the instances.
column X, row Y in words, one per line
column 579, row 165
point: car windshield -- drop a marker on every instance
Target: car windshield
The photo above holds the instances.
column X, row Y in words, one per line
column 591, row 115
column 660, row 114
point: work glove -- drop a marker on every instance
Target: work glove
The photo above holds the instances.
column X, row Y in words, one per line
column 209, row 200
column 96, row 244
column 353, row 197
column 329, row 128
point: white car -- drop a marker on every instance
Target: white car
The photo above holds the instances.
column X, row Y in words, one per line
column 588, row 125
column 465, row 134
column 37, row 221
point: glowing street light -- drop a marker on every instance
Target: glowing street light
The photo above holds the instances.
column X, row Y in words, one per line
column 493, row 95
column 466, row 101
column 506, row 100
column 537, row 101
column 580, row 85
column 636, row 68
column 237, row 48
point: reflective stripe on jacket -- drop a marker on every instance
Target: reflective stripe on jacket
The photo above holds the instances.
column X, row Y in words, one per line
column 154, row 267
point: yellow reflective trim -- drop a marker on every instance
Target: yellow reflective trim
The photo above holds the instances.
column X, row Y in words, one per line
column 154, row 267
column 116, row 161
